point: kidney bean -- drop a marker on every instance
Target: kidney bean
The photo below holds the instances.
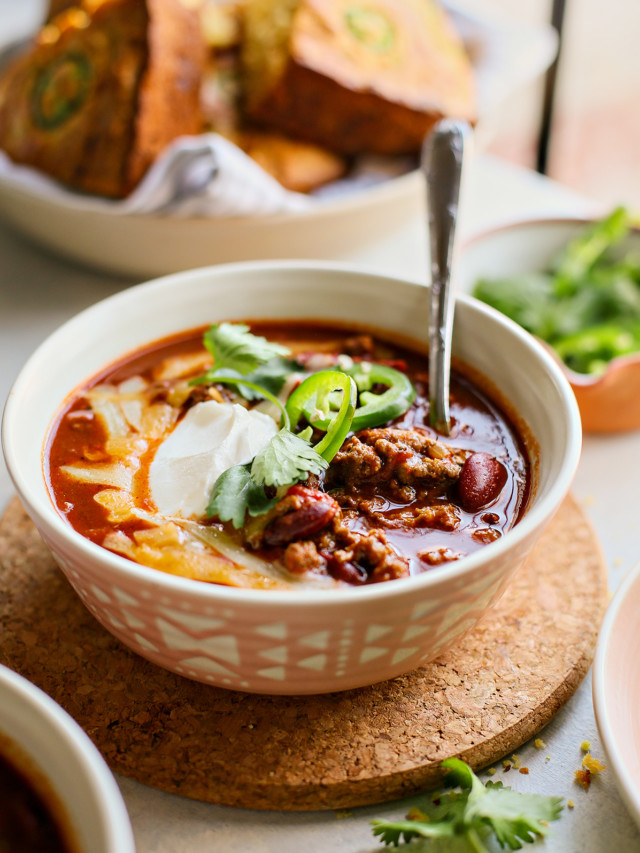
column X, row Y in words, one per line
column 346, row 570
column 315, row 511
column 481, row 480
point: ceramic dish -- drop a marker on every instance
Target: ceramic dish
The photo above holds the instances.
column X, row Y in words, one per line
column 506, row 57
column 279, row 641
column 616, row 689
column 47, row 746
column 609, row 402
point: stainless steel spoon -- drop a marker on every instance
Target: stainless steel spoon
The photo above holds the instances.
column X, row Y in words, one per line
column 442, row 161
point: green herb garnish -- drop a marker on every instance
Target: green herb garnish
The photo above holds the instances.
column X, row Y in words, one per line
column 235, row 493
column 234, row 347
column 586, row 304
column 285, row 460
column 463, row 821
column 239, row 353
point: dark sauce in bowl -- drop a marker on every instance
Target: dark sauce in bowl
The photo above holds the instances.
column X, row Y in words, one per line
column 27, row 821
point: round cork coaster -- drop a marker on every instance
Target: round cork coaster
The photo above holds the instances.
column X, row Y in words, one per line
column 480, row 701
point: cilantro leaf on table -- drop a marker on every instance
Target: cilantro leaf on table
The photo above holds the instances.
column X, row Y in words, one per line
column 235, row 493
column 287, row 459
column 234, row 347
column 464, row 820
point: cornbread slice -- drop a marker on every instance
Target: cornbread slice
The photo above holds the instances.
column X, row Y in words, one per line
column 370, row 76
column 103, row 89
column 297, row 166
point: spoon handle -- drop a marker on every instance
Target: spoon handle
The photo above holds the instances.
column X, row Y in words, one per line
column 442, row 160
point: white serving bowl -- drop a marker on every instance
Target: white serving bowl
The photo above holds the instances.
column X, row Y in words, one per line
column 52, row 751
column 281, row 641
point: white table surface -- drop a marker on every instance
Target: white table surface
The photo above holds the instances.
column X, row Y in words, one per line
column 39, row 291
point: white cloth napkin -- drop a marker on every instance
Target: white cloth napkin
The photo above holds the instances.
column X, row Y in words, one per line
column 195, row 176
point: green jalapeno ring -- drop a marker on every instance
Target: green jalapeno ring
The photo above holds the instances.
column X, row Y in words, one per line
column 70, row 69
column 371, row 27
column 374, row 409
column 314, row 394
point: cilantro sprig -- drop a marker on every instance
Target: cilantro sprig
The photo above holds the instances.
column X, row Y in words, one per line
column 235, row 494
column 237, row 352
column 285, row 460
column 257, row 368
column 463, row 821
column 234, row 347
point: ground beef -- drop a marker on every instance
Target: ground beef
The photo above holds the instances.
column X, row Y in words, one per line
column 438, row 556
column 316, row 537
column 399, row 460
column 369, row 558
column 302, row 557
column 343, row 533
column 440, row 516
column 359, row 345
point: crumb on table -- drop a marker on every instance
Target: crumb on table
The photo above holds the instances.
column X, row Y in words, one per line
column 590, row 768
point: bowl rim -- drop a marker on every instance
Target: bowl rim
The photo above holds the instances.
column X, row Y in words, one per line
column 110, row 808
column 630, row 794
column 579, row 380
column 210, row 593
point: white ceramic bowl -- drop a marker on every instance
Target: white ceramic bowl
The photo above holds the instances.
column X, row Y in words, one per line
column 616, row 689
column 283, row 642
column 609, row 402
column 48, row 747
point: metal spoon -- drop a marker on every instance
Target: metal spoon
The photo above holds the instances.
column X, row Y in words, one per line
column 442, row 160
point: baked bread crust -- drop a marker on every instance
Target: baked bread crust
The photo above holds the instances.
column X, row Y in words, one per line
column 104, row 88
column 371, row 77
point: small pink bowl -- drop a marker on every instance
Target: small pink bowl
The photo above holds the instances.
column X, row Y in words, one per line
column 616, row 689
column 307, row 641
column 609, row 402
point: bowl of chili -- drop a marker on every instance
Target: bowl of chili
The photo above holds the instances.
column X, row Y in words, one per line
column 58, row 795
column 350, row 543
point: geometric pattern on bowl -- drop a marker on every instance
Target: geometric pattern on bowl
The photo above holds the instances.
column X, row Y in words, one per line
column 218, row 645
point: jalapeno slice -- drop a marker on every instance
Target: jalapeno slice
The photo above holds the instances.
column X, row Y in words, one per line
column 316, row 395
column 374, row 409
column 60, row 89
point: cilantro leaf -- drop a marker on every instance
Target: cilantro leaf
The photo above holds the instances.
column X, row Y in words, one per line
column 393, row 832
column 235, row 493
column 271, row 376
column 234, row 347
column 514, row 817
column 582, row 253
column 287, row 459
column 462, row 821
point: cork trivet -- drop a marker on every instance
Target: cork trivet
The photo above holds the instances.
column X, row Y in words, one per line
column 480, row 701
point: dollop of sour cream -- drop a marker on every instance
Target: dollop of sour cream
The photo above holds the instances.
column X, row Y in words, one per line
column 211, row 438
